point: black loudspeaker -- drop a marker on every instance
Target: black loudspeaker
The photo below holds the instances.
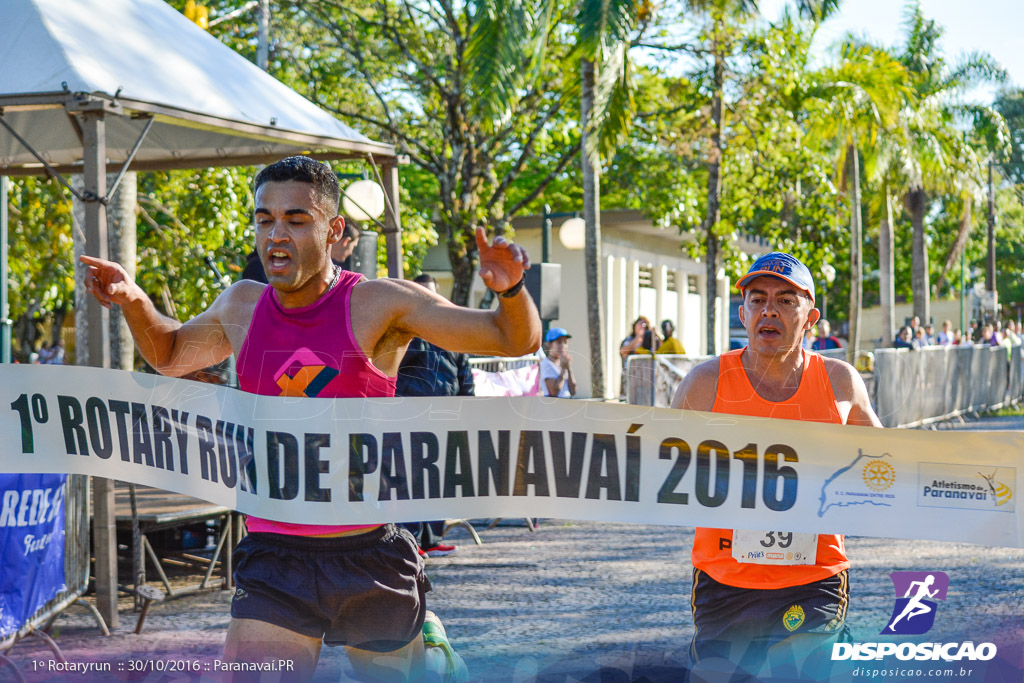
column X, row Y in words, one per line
column 544, row 283
column 364, row 258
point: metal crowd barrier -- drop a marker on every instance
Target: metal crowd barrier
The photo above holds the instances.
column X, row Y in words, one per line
column 501, row 364
column 907, row 388
column 941, row 382
column 76, row 569
column 668, row 373
column 663, row 372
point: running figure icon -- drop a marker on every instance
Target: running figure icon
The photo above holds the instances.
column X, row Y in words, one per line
column 915, row 606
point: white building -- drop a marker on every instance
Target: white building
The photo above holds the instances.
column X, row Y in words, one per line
column 645, row 271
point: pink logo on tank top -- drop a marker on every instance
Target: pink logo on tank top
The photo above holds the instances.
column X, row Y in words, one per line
column 304, row 373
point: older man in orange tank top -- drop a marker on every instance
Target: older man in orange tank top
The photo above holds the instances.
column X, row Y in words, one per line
column 742, row 609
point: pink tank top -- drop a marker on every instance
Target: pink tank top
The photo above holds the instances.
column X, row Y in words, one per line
column 308, row 351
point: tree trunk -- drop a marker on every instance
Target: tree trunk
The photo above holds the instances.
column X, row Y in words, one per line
column 26, row 331
column 714, row 210
column 463, row 257
column 990, row 262
column 959, row 244
column 121, row 231
column 57, row 323
column 856, row 254
column 887, row 273
column 592, row 244
column 916, row 202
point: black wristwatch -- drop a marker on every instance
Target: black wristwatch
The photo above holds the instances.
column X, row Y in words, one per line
column 514, row 289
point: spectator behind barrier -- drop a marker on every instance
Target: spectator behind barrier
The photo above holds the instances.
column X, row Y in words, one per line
column 825, row 340
column 905, row 339
column 1010, row 332
column 989, row 336
column 671, row 344
column 634, row 344
column 556, row 378
column 929, row 335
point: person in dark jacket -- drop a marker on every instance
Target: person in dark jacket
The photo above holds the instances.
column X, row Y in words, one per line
column 429, row 370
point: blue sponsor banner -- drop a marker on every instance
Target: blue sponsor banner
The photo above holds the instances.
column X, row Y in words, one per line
column 31, row 545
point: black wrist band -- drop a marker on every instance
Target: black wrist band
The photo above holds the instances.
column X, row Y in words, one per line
column 514, row 289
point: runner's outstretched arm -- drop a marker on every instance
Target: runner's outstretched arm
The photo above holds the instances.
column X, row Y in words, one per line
column 172, row 348
column 391, row 312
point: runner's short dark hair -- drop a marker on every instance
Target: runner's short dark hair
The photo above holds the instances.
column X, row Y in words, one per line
column 326, row 191
column 424, row 278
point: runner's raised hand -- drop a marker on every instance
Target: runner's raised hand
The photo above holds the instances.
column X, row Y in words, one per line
column 108, row 281
column 502, row 263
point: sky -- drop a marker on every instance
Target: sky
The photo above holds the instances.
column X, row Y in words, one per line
column 994, row 26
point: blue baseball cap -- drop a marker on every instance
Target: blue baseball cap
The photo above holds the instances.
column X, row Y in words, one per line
column 783, row 266
column 556, row 333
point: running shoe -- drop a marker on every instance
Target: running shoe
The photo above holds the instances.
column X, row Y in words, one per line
column 422, row 552
column 441, row 550
column 451, row 668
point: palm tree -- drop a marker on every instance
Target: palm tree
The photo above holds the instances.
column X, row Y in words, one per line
column 935, row 152
column 986, row 141
column 506, row 30
column 723, row 18
column 860, row 100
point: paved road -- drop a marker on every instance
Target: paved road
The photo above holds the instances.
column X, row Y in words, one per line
column 590, row 601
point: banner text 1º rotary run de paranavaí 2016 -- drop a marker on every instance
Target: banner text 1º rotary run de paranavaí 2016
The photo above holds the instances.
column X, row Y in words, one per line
column 352, row 461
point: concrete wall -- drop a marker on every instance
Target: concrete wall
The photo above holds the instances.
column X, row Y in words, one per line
column 942, row 309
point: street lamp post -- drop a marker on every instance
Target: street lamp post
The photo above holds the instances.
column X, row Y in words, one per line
column 545, row 239
column 545, row 235
column 362, row 201
column 5, row 304
column 829, row 272
column 963, row 289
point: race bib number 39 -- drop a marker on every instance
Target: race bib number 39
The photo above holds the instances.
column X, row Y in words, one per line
column 774, row 547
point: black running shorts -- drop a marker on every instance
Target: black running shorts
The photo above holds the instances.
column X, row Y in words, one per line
column 364, row 591
column 739, row 624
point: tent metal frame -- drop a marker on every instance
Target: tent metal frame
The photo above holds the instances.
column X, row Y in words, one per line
column 88, row 114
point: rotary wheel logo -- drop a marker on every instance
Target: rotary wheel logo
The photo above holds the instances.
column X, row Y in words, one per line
column 879, row 475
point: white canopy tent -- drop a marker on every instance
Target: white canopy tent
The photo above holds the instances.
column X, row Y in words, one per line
column 140, row 60
column 100, row 86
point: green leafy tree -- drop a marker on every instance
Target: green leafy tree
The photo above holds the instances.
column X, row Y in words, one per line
column 1010, row 104
column 937, row 155
column 402, row 72
column 607, row 105
column 781, row 178
column 724, row 26
column 41, row 279
column 292, row 40
column 194, row 233
column 858, row 101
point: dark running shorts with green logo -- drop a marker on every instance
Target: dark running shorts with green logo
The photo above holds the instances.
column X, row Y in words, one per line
column 740, row 624
column 365, row 591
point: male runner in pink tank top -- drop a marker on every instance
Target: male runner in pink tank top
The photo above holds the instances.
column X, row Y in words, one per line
column 319, row 331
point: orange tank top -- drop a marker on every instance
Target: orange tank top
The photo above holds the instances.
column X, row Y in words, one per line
column 813, row 401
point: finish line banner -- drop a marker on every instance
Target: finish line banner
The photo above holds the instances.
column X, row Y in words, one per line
column 360, row 461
